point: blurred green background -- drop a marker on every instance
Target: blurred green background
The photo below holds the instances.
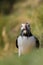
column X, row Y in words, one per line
column 12, row 14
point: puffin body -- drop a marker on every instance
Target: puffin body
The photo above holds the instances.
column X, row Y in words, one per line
column 25, row 44
column 26, row 41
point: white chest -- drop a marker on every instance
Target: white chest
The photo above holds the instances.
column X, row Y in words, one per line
column 25, row 43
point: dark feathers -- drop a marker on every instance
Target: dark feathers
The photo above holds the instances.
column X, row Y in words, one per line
column 37, row 42
column 17, row 42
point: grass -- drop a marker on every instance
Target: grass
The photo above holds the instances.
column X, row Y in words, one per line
column 23, row 13
column 12, row 23
column 33, row 58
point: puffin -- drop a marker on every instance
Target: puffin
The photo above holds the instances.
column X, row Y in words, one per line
column 26, row 40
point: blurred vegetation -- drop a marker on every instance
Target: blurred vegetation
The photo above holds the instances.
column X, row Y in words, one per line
column 20, row 11
column 33, row 58
column 6, row 6
column 12, row 14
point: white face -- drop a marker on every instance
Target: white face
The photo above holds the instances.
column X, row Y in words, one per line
column 25, row 27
